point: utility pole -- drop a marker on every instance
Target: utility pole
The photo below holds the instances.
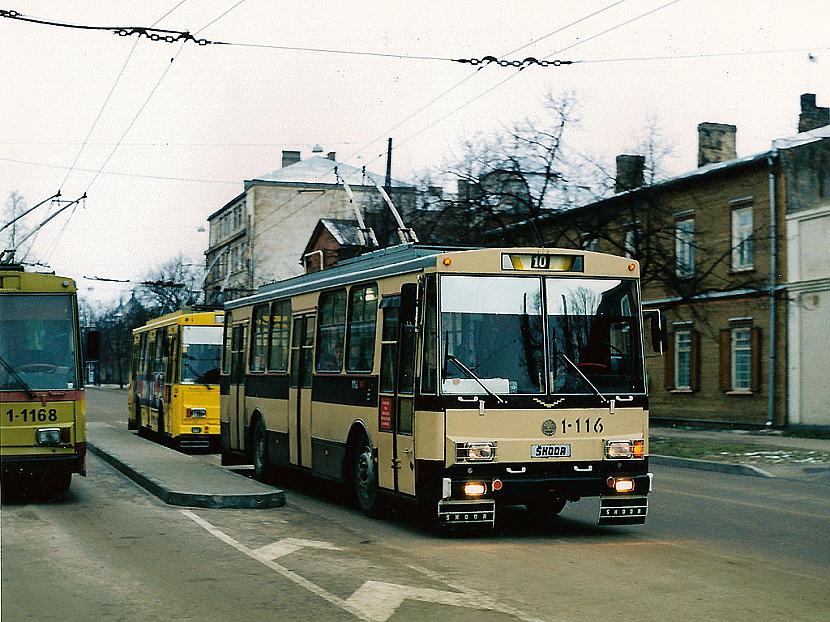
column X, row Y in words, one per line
column 388, row 183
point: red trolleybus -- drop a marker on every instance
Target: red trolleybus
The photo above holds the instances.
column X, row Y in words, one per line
column 459, row 379
column 42, row 408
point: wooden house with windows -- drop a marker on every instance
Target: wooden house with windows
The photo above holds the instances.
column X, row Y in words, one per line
column 716, row 247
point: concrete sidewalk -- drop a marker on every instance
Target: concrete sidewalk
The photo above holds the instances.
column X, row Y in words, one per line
column 174, row 477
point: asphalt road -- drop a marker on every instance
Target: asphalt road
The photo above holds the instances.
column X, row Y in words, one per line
column 715, row 547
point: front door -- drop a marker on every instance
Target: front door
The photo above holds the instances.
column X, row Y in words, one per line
column 396, row 399
column 237, row 388
column 299, row 392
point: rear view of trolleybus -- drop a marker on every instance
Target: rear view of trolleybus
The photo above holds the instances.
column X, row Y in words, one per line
column 42, row 407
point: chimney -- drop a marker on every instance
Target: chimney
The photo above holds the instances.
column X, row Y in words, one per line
column 812, row 117
column 290, row 157
column 716, row 143
column 331, row 155
column 629, row 172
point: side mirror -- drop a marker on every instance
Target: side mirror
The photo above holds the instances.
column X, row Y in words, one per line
column 409, row 304
column 92, row 346
column 658, row 329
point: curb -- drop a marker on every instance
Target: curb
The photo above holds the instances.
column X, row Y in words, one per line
column 273, row 499
column 708, row 465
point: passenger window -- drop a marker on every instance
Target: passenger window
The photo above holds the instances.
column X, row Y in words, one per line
column 259, row 339
column 280, row 328
column 363, row 304
column 331, row 331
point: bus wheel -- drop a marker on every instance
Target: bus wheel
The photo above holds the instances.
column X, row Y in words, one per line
column 366, row 479
column 259, row 449
column 546, row 506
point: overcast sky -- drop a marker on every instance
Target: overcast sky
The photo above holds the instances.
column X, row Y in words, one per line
column 218, row 115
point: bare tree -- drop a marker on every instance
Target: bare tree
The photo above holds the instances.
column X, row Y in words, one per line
column 174, row 284
column 514, row 175
column 15, row 206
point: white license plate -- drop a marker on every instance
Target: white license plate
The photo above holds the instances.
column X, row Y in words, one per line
column 550, row 451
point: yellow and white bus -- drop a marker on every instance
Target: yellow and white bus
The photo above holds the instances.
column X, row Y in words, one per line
column 174, row 378
column 461, row 379
column 42, row 403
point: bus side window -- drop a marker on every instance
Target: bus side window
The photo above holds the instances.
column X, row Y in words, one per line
column 228, row 340
column 429, row 369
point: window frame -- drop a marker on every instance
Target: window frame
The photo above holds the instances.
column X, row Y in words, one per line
column 687, row 350
column 684, row 248
column 745, row 350
column 743, row 238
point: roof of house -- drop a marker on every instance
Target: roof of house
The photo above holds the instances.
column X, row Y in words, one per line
column 709, row 169
column 318, row 170
column 344, row 231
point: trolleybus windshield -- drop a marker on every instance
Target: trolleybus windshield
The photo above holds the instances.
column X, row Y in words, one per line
column 494, row 327
column 37, row 342
column 594, row 336
column 201, row 351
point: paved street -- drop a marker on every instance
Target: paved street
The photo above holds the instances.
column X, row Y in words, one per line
column 716, row 546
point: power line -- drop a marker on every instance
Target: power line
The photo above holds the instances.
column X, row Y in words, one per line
column 129, row 126
column 510, row 77
column 475, row 73
column 703, row 55
column 184, row 36
column 123, row 174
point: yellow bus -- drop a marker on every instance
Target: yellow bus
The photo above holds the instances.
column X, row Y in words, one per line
column 42, row 404
column 174, row 378
column 460, row 379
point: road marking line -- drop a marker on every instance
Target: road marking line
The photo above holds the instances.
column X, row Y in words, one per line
column 516, row 613
column 286, row 546
column 285, row 572
column 374, row 601
column 378, row 600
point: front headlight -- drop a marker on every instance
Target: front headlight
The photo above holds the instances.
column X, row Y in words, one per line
column 625, row 450
column 48, row 436
column 478, row 451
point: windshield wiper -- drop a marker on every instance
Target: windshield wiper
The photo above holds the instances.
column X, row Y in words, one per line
column 471, row 374
column 14, row 373
column 584, row 377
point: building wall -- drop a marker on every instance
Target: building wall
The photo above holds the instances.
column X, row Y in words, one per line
column 711, row 398
column 808, row 297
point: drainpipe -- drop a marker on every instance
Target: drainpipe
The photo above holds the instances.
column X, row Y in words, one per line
column 773, row 283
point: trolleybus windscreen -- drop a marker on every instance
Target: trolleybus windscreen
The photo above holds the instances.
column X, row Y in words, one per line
column 493, row 327
column 201, row 351
column 37, row 342
column 493, row 338
column 594, row 336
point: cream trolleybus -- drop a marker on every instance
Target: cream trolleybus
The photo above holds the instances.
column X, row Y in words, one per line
column 459, row 379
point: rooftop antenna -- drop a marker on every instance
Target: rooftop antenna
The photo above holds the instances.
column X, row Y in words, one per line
column 406, row 234
column 365, row 234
